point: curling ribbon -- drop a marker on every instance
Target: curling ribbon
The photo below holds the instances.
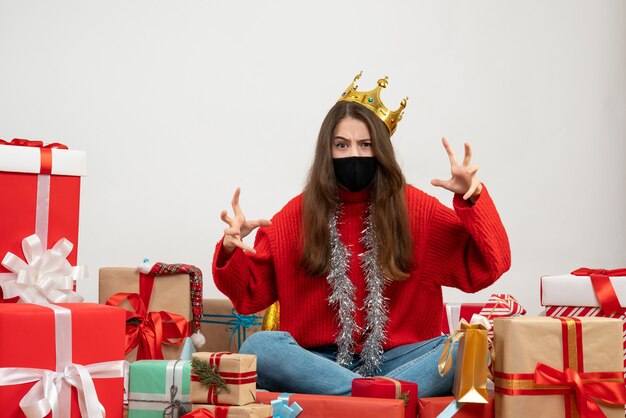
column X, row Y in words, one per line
column 603, row 288
column 45, row 276
column 150, row 330
column 45, row 150
column 282, row 409
column 445, row 360
column 51, row 392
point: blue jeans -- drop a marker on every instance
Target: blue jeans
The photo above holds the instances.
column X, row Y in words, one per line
column 284, row 366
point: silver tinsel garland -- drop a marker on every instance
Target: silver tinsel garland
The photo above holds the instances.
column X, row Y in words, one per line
column 342, row 295
column 343, row 298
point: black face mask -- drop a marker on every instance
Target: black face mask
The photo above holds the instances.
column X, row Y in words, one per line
column 355, row 173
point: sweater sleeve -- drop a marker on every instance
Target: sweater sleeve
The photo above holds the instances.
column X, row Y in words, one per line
column 468, row 247
column 246, row 279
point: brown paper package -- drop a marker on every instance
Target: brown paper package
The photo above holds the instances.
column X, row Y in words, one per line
column 232, row 363
column 218, row 335
column 171, row 293
column 521, row 343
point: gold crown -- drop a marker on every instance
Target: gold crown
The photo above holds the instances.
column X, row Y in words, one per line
column 371, row 100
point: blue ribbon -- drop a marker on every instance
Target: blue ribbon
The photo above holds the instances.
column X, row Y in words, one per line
column 449, row 411
column 238, row 324
column 281, row 408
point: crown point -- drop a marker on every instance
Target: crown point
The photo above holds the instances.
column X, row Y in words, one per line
column 383, row 82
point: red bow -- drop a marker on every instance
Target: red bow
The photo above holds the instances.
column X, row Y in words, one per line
column 603, row 288
column 585, row 387
column 150, row 330
column 45, row 150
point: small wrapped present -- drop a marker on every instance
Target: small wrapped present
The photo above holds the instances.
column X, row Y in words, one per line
column 447, row 406
column 40, row 186
column 65, row 359
column 558, row 367
column 454, row 312
column 500, row 305
column 385, row 387
column 223, row 378
column 470, row 373
column 587, row 292
column 223, row 328
column 159, row 314
column 326, row 406
column 159, row 388
column 253, row 410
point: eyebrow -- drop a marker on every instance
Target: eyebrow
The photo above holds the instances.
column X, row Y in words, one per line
column 346, row 139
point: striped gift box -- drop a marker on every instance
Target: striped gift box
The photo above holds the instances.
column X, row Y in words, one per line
column 580, row 311
column 500, row 305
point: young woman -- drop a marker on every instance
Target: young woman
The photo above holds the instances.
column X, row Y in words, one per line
column 357, row 261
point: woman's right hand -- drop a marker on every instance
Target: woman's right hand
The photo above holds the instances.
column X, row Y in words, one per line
column 238, row 227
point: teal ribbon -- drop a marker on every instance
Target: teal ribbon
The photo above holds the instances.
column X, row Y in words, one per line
column 281, row 408
column 238, row 324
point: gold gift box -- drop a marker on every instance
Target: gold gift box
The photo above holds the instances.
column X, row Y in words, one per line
column 591, row 345
column 238, row 372
column 170, row 293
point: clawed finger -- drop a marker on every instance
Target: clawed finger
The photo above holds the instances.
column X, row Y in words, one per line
column 468, row 155
column 257, row 223
column 235, row 202
column 245, row 247
column 226, row 218
column 471, row 190
column 448, row 148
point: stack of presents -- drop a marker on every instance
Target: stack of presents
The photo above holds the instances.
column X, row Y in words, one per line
column 153, row 347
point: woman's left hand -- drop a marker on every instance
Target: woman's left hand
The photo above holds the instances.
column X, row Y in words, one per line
column 464, row 180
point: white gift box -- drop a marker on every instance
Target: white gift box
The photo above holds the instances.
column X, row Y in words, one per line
column 570, row 290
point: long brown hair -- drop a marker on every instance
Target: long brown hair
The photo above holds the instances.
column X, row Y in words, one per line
column 387, row 197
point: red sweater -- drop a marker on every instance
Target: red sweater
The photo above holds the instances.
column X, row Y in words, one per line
column 468, row 250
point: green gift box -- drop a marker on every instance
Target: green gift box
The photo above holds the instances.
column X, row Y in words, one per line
column 159, row 388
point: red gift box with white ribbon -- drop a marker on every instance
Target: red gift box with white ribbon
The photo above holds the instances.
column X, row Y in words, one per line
column 61, row 360
column 40, row 189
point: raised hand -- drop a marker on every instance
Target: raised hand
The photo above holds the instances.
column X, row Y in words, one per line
column 463, row 180
column 238, row 227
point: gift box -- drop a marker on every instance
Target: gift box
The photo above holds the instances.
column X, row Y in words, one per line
column 558, row 367
column 223, row 328
column 500, row 305
column 253, row 410
column 326, row 406
column 454, row 312
column 159, row 388
column 40, row 186
column 161, row 299
column 587, row 292
column 385, row 387
column 223, row 378
column 447, row 406
column 78, row 346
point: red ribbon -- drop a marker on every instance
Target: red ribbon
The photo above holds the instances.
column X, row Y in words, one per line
column 150, row 330
column 585, row 391
column 220, row 412
column 45, row 166
column 609, row 302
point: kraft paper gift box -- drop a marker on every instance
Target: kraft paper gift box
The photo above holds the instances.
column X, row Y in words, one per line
column 448, row 406
column 558, row 367
column 223, row 328
column 326, row 406
column 385, row 387
column 253, row 410
column 159, row 388
column 76, row 344
column 161, row 293
column 235, row 374
column 587, row 292
column 40, row 189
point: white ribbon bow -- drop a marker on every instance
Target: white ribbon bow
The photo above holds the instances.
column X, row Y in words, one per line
column 43, row 397
column 46, row 276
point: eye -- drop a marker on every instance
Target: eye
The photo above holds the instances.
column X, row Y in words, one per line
column 366, row 144
column 341, row 145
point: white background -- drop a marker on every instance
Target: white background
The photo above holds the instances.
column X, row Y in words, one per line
column 179, row 102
